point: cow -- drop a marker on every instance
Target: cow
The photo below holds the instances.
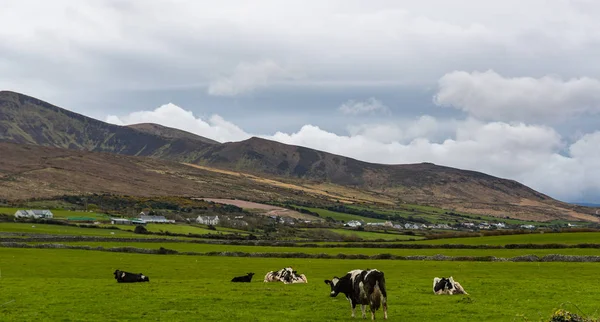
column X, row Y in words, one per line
column 447, row 286
column 286, row 275
column 243, row 279
column 126, row 277
column 364, row 287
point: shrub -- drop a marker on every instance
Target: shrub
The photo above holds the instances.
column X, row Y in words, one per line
column 562, row 315
column 140, row 230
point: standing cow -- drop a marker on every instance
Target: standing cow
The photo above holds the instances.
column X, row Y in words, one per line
column 364, row 287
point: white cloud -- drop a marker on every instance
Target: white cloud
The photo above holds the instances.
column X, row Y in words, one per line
column 171, row 115
column 527, row 153
column 361, row 107
column 490, row 96
column 248, row 77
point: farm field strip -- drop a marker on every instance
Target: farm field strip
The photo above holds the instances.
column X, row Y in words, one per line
column 184, row 288
column 204, row 248
column 533, row 238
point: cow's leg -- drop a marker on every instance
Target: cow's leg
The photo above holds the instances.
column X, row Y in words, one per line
column 363, row 309
column 353, row 308
column 384, row 304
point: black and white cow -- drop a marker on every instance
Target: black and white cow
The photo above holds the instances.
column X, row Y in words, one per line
column 364, row 287
column 447, row 286
column 243, row 279
column 126, row 277
column 286, row 275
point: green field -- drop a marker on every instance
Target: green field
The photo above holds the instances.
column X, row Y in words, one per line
column 324, row 213
column 183, row 229
column 74, row 285
column 369, row 235
column 60, row 213
column 533, row 238
column 203, row 248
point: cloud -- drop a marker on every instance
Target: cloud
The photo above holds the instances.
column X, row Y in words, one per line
column 248, row 77
column 361, row 107
column 171, row 115
column 490, row 96
column 534, row 155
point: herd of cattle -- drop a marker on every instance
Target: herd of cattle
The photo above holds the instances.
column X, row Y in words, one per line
column 364, row 287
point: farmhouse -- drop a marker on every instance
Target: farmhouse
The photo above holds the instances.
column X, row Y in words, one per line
column 155, row 219
column 208, row 220
column 34, row 214
column 353, row 223
column 120, row 221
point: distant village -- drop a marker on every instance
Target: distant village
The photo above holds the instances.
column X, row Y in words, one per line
column 239, row 221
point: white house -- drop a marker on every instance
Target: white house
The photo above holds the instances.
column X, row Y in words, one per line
column 208, row 220
column 34, row 214
column 353, row 223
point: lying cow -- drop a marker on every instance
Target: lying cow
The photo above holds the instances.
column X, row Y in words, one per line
column 286, row 275
column 243, row 279
column 364, row 287
column 447, row 286
column 126, row 277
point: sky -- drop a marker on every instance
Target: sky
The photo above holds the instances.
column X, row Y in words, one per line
column 510, row 88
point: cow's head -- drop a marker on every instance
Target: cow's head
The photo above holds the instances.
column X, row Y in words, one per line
column 250, row 274
column 144, row 278
column 116, row 273
column 334, row 286
column 444, row 284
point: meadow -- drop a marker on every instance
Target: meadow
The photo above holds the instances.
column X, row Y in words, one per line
column 76, row 285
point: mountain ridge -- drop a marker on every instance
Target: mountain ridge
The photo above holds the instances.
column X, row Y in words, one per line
column 27, row 120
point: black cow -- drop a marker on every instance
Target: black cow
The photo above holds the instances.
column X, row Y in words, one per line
column 243, row 279
column 126, row 277
column 364, row 287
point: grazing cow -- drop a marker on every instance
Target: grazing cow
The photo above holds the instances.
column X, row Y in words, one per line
column 364, row 287
column 447, row 286
column 126, row 277
column 243, row 279
column 286, row 275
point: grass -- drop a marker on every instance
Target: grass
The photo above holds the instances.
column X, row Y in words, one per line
column 35, row 228
column 58, row 213
column 369, row 235
column 203, row 248
column 533, row 238
column 323, row 213
column 184, row 229
column 78, row 285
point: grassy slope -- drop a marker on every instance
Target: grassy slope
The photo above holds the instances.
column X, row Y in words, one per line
column 340, row 215
column 185, row 288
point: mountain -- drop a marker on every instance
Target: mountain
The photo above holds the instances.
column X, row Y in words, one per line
column 169, row 132
column 27, row 120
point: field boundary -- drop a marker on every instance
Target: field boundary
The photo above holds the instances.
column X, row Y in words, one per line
column 384, row 256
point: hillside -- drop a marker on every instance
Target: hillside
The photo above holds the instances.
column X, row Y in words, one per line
column 24, row 119
column 27, row 120
column 169, row 132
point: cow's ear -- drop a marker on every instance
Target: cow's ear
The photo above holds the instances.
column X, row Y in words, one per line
column 328, row 282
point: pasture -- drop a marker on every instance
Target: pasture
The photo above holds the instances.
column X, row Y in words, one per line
column 51, row 284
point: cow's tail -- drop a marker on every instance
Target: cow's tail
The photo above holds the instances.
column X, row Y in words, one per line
column 376, row 298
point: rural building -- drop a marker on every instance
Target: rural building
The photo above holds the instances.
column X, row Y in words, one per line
column 353, row 223
column 386, row 224
column 208, row 220
column 155, row 219
column 34, row 214
column 120, row 221
column 411, row 226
